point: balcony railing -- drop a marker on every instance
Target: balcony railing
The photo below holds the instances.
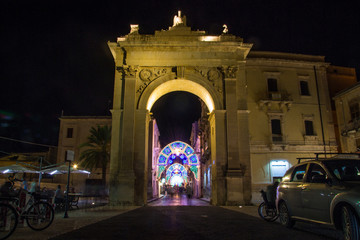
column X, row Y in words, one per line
column 352, row 127
column 272, row 99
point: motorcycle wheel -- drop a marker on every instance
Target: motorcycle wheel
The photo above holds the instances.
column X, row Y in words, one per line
column 266, row 213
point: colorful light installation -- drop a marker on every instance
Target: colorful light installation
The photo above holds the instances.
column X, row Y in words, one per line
column 181, row 150
column 176, row 174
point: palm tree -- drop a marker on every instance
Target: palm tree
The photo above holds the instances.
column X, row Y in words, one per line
column 97, row 150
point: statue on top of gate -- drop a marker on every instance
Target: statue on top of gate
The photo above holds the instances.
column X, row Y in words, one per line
column 179, row 20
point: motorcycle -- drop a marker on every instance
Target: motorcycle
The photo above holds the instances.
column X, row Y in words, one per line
column 267, row 209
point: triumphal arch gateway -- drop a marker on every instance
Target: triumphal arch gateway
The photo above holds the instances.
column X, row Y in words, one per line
column 210, row 67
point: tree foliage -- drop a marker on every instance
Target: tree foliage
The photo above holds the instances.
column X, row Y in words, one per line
column 96, row 153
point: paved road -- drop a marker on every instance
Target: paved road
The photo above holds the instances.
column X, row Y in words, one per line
column 186, row 222
column 178, row 200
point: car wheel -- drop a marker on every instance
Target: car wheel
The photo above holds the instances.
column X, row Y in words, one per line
column 284, row 216
column 349, row 224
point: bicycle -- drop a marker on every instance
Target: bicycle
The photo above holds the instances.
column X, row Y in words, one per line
column 267, row 210
column 38, row 214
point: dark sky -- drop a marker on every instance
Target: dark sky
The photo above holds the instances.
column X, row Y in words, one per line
column 54, row 54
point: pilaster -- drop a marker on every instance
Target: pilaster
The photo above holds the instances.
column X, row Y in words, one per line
column 141, row 157
column 218, row 156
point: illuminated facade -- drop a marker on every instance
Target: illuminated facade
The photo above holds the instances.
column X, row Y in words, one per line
column 347, row 104
column 263, row 109
column 339, row 78
column 74, row 130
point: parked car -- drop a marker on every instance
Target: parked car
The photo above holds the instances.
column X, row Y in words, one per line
column 322, row 190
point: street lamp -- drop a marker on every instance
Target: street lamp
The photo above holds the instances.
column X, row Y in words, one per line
column 69, row 157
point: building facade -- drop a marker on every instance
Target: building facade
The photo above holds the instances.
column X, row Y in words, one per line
column 347, row 104
column 74, row 130
column 339, row 78
column 264, row 109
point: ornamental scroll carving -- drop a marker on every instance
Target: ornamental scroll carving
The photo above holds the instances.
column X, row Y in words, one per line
column 213, row 75
column 129, row 71
column 147, row 75
column 230, row 71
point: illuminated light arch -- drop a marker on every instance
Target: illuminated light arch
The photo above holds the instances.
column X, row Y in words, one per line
column 178, row 149
column 176, row 171
column 181, row 85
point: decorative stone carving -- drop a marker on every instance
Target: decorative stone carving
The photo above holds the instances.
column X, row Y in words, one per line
column 201, row 71
column 134, row 28
column 230, row 71
column 145, row 74
column 225, row 30
column 213, row 75
column 179, row 20
column 130, row 70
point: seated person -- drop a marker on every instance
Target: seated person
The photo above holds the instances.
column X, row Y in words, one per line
column 6, row 190
column 59, row 196
column 271, row 192
column 33, row 186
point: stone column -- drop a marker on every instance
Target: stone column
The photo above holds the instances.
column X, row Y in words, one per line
column 234, row 173
column 122, row 176
column 218, row 156
column 243, row 132
column 142, row 119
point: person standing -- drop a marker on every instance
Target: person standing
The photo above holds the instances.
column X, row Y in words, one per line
column 33, row 186
column 24, row 184
column 189, row 192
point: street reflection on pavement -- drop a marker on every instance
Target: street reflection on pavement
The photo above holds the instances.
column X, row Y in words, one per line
column 178, row 200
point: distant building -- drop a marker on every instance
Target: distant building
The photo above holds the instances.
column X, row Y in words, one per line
column 347, row 104
column 74, row 131
column 339, row 78
column 154, row 150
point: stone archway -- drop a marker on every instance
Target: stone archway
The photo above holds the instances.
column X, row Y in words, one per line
column 212, row 68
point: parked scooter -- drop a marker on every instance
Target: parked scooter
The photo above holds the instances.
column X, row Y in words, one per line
column 267, row 209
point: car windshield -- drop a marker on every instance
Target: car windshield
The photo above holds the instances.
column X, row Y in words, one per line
column 344, row 170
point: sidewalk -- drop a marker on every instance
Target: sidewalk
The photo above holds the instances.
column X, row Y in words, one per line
column 83, row 217
column 76, row 220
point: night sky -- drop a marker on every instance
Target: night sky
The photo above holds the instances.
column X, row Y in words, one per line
column 54, row 54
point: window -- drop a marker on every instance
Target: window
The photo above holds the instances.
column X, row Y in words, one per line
column 70, row 132
column 315, row 172
column 304, row 88
column 276, row 130
column 272, row 85
column 355, row 111
column 309, row 128
column 298, row 173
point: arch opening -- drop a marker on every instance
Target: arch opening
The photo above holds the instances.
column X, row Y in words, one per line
column 181, row 85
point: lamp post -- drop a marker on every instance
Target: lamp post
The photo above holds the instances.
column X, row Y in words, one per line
column 69, row 157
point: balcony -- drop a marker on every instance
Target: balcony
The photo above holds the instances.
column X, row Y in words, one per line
column 351, row 128
column 275, row 101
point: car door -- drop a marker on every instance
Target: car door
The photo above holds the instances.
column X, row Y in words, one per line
column 316, row 194
column 292, row 190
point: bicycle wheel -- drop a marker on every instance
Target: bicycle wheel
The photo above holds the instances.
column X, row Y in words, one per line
column 266, row 213
column 8, row 220
column 40, row 216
